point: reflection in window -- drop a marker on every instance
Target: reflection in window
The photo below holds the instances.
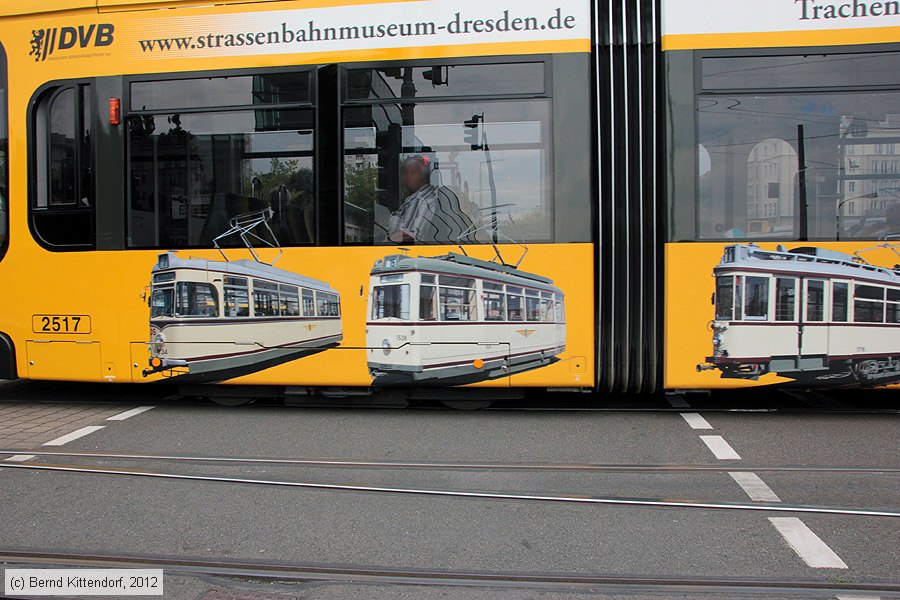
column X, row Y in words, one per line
column 749, row 186
column 446, row 172
column 62, row 209
column 191, row 173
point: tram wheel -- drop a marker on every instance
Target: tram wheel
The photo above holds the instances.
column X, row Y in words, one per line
column 467, row 404
column 230, row 400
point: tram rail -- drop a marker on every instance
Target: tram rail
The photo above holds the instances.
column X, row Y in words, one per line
column 461, row 466
column 569, row 499
column 302, row 572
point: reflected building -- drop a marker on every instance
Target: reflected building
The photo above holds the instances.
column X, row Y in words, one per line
column 870, row 169
column 771, row 169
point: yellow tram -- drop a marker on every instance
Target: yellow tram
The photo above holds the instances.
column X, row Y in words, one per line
column 622, row 148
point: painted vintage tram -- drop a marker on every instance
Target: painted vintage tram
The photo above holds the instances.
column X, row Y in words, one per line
column 455, row 319
column 805, row 313
column 211, row 320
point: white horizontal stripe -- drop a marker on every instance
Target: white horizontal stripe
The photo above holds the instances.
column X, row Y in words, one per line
column 74, row 435
column 696, row 421
column 720, row 447
column 859, row 598
column 755, row 487
column 807, row 544
column 129, row 413
column 19, row 457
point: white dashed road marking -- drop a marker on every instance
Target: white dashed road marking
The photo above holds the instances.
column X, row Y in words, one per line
column 807, row 544
column 696, row 421
column 720, row 448
column 19, row 457
column 74, row 435
column 129, row 413
column 755, row 487
column 859, row 598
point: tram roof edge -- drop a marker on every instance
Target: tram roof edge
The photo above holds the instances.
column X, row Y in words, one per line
column 464, row 265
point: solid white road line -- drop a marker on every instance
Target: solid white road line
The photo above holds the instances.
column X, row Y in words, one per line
column 129, row 413
column 755, row 487
column 859, row 598
column 677, row 402
column 19, row 457
column 807, row 544
column 719, row 447
column 696, row 421
column 74, row 435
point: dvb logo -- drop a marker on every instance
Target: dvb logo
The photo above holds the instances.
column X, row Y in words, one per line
column 45, row 41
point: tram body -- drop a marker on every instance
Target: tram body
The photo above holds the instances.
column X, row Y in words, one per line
column 212, row 320
column 456, row 319
column 627, row 145
column 805, row 314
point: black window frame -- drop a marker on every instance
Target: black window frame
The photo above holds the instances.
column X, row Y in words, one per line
column 311, row 104
column 678, row 227
column 545, row 59
column 46, row 95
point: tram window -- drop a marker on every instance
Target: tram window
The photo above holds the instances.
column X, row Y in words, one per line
column 265, row 298
column 196, row 300
column 725, row 298
column 290, row 300
column 532, row 309
column 815, row 300
column 447, row 172
column 514, row 307
column 494, row 307
column 242, row 90
column 328, row 305
column 785, row 298
column 457, row 304
column 547, row 310
column 739, row 298
column 868, row 304
column 309, row 303
column 390, row 301
column 427, row 303
column 839, row 302
column 892, row 312
column 746, row 179
column 237, row 297
column 893, row 295
column 4, row 161
column 62, row 212
column 190, row 174
column 464, row 282
column 428, row 278
column 444, row 81
column 756, row 298
column 162, row 302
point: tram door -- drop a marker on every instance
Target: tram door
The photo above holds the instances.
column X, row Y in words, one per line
column 813, row 332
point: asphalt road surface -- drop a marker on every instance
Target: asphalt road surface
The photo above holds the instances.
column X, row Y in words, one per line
column 125, row 486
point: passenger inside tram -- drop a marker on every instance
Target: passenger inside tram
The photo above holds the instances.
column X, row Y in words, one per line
column 430, row 214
